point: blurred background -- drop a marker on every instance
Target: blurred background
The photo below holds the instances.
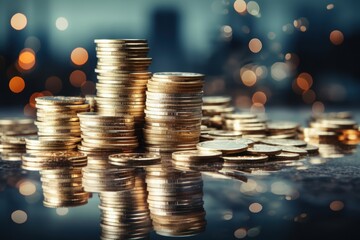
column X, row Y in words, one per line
column 262, row 53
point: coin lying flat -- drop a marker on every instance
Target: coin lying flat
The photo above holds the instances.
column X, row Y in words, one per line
column 264, row 149
column 224, row 146
column 285, row 142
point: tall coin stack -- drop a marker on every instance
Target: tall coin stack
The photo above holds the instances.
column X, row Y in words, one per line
column 175, row 201
column 125, row 214
column 57, row 122
column 122, row 73
column 173, row 111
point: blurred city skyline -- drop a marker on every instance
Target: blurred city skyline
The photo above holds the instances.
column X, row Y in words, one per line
column 260, row 52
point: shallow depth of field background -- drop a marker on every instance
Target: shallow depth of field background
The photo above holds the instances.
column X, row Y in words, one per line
column 262, row 53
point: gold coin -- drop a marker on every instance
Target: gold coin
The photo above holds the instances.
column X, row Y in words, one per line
column 264, row 149
column 224, row 146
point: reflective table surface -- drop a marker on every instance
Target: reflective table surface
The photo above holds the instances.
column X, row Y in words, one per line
column 316, row 197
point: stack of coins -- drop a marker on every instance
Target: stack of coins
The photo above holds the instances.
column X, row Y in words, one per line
column 213, row 107
column 216, row 105
column 100, row 176
column 249, row 124
column 61, row 177
column 173, row 111
column 13, row 132
column 57, row 122
column 125, row 214
column 335, row 134
column 122, row 73
column 282, row 129
column 175, row 201
column 104, row 133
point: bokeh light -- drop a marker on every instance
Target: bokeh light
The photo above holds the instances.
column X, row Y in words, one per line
column 79, row 56
column 61, row 23
column 253, row 8
column 27, row 188
column 318, row 107
column 301, row 24
column 240, row 233
column 330, row 6
column 16, row 84
column 226, row 32
column 62, row 211
column 336, row 37
column 240, row 6
column 18, row 21
column 259, row 97
column 19, row 216
column 53, row 84
column 248, row 77
column 255, row 207
column 77, row 78
column 279, row 71
column 255, row 45
column 336, row 205
column 304, row 81
column 27, row 59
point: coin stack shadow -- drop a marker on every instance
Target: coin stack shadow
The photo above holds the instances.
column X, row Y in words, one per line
column 173, row 111
column 122, row 73
column 13, row 132
column 175, row 201
column 125, row 214
column 60, row 175
column 58, row 123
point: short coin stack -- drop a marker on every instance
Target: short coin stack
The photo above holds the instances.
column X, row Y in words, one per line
column 105, row 133
column 122, row 73
column 249, row 124
column 13, row 132
column 175, row 202
column 335, row 134
column 58, row 123
column 282, row 129
column 173, row 111
column 125, row 214
column 61, row 177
